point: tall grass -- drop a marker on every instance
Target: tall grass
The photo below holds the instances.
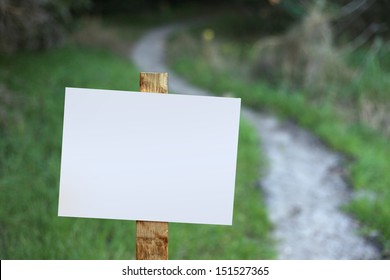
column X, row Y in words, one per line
column 30, row 150
column 30, row 157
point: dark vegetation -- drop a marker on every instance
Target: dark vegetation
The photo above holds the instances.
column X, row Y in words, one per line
column 40, row 24
column 35, row 24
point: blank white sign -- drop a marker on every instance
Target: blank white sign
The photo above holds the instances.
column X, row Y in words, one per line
column 146, row 156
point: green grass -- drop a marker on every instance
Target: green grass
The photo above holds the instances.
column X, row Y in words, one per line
column 368, row 150
column 30, row 150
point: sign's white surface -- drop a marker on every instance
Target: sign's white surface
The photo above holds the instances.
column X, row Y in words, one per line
column 146, row 156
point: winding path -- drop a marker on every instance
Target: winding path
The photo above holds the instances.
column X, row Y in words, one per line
column 303, row 190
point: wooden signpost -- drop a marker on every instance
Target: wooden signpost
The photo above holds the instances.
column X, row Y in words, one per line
column 124, row 163
column 152, row 237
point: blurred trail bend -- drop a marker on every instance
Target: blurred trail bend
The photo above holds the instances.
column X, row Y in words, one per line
column 303, row 190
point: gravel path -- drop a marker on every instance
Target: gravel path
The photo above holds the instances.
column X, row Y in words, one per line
column 303, row 190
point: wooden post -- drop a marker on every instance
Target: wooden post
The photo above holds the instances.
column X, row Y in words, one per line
column 152, row 237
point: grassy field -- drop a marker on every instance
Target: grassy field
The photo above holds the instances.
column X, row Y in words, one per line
column 31, row 112
column 219, row 64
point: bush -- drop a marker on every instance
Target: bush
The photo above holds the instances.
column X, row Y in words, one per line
column 35, row 24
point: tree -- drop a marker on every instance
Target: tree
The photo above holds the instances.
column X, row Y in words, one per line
column 35, row 24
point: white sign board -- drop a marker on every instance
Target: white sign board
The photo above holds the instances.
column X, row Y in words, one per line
column 146, row 156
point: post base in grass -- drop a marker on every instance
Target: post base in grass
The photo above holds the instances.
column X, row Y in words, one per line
column 152, row 241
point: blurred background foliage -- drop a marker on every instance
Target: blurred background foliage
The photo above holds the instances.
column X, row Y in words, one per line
column 37, row 24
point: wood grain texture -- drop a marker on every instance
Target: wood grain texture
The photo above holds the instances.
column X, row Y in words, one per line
column 152, row 237
column 154, row 82
column 152, row 241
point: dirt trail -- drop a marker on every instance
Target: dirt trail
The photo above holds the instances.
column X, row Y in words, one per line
column 303, row 190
